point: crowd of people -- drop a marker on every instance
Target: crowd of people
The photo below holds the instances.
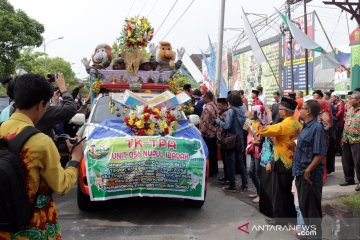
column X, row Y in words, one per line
column 290, row 146
column 287, row 149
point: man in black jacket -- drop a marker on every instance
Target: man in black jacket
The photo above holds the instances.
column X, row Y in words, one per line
column 58, row 114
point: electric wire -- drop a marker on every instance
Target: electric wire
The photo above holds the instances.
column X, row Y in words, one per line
column 152, row 8
column 131, row 8
column 178, row 19
column 142, row 7
column 167, row 15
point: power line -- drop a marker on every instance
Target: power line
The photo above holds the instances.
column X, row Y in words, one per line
column 142, row 7
column 152, row 8
column 131, row 8
column 166, row 17
column 178, row 19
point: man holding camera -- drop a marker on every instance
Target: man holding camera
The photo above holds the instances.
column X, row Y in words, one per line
column 39, row 158
column 59, row 113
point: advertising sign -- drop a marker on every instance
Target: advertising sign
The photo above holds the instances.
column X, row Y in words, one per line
column 298, row 58
column 121, row 167
column 251, row 75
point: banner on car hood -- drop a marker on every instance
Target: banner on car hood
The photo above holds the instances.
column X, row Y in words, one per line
column 163, row 166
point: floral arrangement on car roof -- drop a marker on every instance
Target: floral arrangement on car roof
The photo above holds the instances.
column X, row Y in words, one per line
column 137, row 33
column 145, row 120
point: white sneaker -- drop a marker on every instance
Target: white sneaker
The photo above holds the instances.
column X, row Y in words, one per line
column 253, row 195
column 256, row 200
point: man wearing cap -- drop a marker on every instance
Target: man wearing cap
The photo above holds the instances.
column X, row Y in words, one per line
column 284, row 135
column 351, row 143
column 308, row 167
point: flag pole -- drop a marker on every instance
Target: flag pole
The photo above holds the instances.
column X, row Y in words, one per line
column 219, row 48
column 306, row 52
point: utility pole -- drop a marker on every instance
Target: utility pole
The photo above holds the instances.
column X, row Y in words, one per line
column 306, row 52
column 291, row 51
column 219, row 48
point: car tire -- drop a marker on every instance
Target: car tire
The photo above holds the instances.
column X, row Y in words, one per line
column 83, row 201
column 195, row 203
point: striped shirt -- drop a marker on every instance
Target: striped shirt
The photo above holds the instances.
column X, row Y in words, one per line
column 352, row 127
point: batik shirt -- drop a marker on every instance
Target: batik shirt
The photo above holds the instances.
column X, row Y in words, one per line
column 352, row 127
column 209, row 114
column 43, row 176
column 284, row 135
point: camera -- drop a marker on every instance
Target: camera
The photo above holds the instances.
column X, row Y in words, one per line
column 61, row 144
column 51, row 77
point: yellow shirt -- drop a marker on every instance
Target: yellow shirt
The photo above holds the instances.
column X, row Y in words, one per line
column 284, row 135
column 41, row 160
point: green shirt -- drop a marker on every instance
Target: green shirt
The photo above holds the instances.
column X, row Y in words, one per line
column 352, row 127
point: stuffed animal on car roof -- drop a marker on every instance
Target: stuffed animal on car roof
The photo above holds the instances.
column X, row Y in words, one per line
column 165, row 56
column 101, row 58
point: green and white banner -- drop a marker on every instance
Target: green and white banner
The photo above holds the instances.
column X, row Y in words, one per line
column 121, row 167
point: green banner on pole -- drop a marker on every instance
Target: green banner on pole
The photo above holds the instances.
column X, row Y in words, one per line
column 121, row 167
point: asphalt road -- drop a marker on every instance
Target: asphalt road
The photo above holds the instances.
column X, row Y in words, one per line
column 159, row 218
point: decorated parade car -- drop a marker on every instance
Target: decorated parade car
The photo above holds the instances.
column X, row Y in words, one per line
column 139, row 143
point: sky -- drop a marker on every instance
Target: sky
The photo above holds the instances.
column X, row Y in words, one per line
column 83, row 24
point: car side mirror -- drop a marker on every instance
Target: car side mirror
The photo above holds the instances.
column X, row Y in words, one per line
column 194, row 119
column 78, row 119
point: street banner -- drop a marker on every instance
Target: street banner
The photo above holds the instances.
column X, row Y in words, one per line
column 122, row 167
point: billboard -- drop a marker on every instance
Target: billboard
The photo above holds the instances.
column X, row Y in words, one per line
column 247, row 75
column 298, row 58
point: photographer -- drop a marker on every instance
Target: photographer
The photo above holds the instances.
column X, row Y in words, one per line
column 39, row 159
column 59, row 113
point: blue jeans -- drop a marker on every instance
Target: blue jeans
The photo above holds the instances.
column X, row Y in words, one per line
column 254, row 172
column 231, row 158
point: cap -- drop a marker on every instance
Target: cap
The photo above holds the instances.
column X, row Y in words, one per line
column 350, row 93
column 288, row 103
column 187, row 87
column 259, row 88
column 319, row 92
column 221, row 100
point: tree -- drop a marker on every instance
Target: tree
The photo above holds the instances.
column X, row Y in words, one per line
column 17, row 31
column 38, row 62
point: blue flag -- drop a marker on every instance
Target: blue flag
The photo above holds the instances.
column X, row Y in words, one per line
column 211, row 67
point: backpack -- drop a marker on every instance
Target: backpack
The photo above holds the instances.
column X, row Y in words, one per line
column 15, row 207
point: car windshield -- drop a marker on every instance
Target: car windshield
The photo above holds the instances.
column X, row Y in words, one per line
column 102, row 111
